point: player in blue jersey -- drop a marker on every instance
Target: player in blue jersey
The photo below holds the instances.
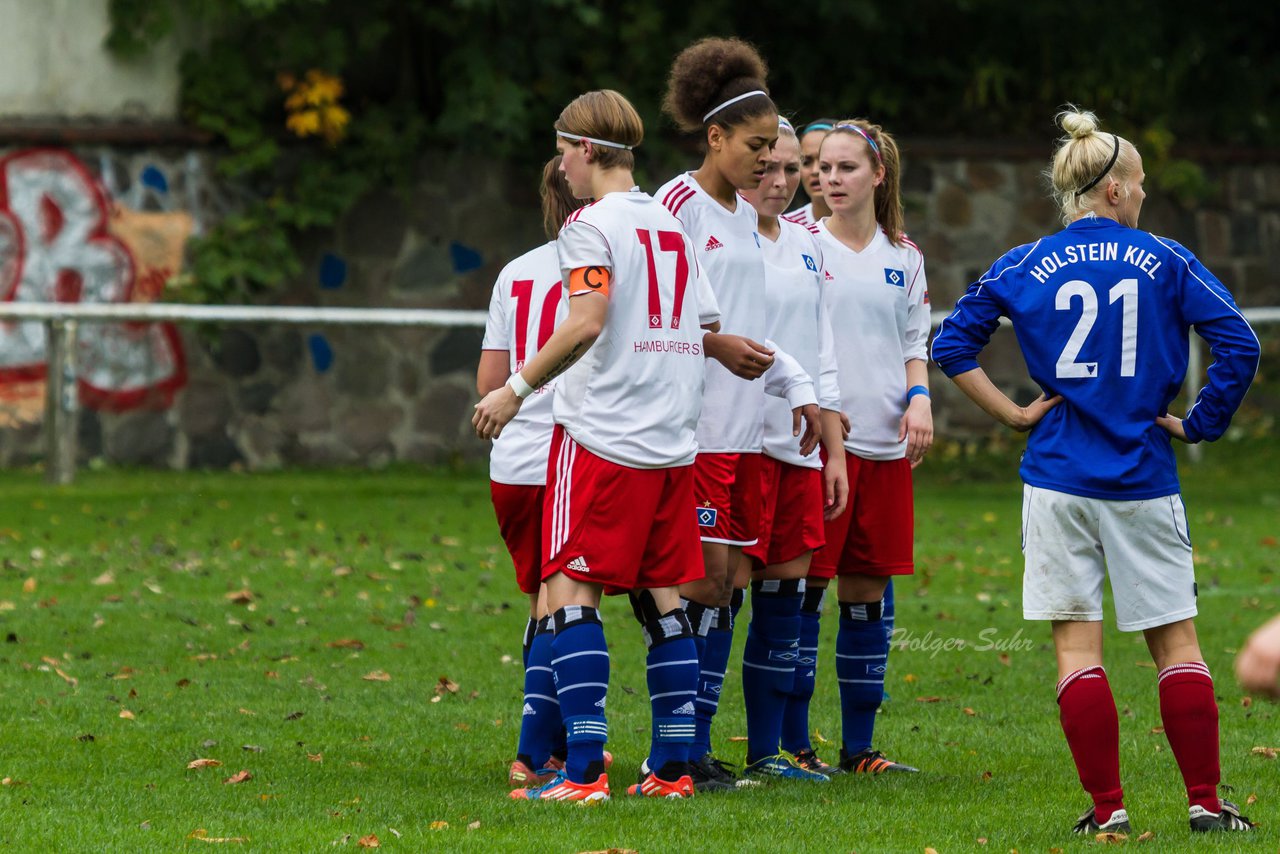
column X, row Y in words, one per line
column 1102, row 311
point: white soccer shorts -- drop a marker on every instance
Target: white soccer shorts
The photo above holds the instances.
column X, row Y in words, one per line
column 1070, row 543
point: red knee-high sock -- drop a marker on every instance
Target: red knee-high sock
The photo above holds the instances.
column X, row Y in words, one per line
column 1190, row 715
column 1092, row 727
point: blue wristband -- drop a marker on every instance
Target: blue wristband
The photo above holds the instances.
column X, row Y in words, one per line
column 916, row 390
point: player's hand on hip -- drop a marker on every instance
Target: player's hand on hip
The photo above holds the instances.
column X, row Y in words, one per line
column 1258, row 664
column 495, row 411
column 835, row 481
column 742, row 356
column 1030, row 415
column 916, row 427
column 1172, row 425
column 812, row 427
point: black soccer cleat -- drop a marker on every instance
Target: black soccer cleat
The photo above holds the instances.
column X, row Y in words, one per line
column 1088, row 823
column 1203, row 821
column 871, row 762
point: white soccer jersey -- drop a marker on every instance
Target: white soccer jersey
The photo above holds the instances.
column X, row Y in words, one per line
column 728, row 250
column 878, row 302
column 634, row 398
column 797, row 323
column 801, row 216
column 525, row 308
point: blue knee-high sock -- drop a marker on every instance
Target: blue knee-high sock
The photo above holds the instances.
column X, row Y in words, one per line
column 672, row 672
column 861, row 648
column 715, row 660
column 701, row 617
column 540, row 724
column 769, row 661
column 530, row 629
column 580, row 661
column 886, row 616
column 795, row 719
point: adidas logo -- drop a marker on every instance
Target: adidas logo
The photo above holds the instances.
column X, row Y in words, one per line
column 686, row 709
column 712, row 243
column 600, row 703
column 578, row 564
column 528, row 710
column 828, row 277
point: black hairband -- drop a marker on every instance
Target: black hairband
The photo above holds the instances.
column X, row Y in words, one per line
column 1115, row 152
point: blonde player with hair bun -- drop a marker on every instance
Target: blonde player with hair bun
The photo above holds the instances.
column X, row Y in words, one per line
column 716, row 88
column 1102, row 312
column 877, row 297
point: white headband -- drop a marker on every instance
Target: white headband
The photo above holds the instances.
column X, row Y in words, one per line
column 732, row 101
column 604, row 142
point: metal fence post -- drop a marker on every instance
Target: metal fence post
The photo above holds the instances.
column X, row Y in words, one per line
column 1191, row 386
column 62, row 402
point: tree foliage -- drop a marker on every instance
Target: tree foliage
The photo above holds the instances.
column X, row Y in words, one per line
column 491, row 76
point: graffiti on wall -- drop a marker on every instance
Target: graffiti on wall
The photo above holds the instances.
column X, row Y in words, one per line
column 63, row 239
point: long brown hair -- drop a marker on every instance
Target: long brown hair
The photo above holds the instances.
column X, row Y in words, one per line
column 557, row 199
column 604, row 114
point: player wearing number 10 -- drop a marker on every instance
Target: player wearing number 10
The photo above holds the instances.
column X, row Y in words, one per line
column 1102, row 311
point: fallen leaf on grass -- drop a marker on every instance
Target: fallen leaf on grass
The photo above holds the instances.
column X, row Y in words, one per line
column 1157, row 730
column 397, row 833
column 202, row 835
column 475, row 825
column 245, row 711
column 29, row 586
column 928, row 699
column 369, row 841
column 70, row 680
column 203, row 763
column 347, row 643
column 1005, row 660
column 1246, row 702
column 928, row 850
column 9, row 781
column 1147, row 836
column 238, row 777
column 986, row 775
column 378, row 676
column 909, row 678
column 737, row 738
column 127, row 715
column 1268, row 752
column 107, row 577
column 252, row 748
column 293, row 716
column 439, row 825
column 239, row 597
column 88, row 736
column 982, row 840
column 445, row 685
column 1251, row 800
column 1112, row 838
column 970, row 712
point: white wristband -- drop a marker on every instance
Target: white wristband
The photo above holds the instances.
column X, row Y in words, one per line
column 519, row 386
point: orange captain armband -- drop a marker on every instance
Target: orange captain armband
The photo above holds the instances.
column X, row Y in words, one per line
column 589, row 280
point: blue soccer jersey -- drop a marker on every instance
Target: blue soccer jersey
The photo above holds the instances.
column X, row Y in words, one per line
column 1102, row 312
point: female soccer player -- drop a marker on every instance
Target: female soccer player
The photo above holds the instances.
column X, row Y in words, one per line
column 878, row 301
column 716, row 88
column 1101, row 311
column 620, row 480
column 778, row 664
column 810, row 139
column 523, row 311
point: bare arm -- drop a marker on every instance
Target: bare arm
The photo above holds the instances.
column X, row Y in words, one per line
column 835, row 474
column 979, row 388
column 495, row 367
column 566, row 345
column 916, row 424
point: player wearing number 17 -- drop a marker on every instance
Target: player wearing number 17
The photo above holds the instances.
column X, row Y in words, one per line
column 620, row 474
column 1102, row 311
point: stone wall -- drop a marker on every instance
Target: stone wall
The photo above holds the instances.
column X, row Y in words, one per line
column 264, row 397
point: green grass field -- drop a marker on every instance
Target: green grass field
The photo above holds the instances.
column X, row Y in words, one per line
column 302, row 626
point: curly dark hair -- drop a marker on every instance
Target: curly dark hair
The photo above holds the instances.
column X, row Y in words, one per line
column 709, row 72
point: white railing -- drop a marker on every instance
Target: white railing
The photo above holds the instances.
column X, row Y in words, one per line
column 61, row 322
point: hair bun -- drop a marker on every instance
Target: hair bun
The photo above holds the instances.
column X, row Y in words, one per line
column 1078, row 123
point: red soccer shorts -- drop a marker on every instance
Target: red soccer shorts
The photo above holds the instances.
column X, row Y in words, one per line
column 619, row 527
column 727, row 494
column 876, row 532
column 791, row 499
column 519, row 510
